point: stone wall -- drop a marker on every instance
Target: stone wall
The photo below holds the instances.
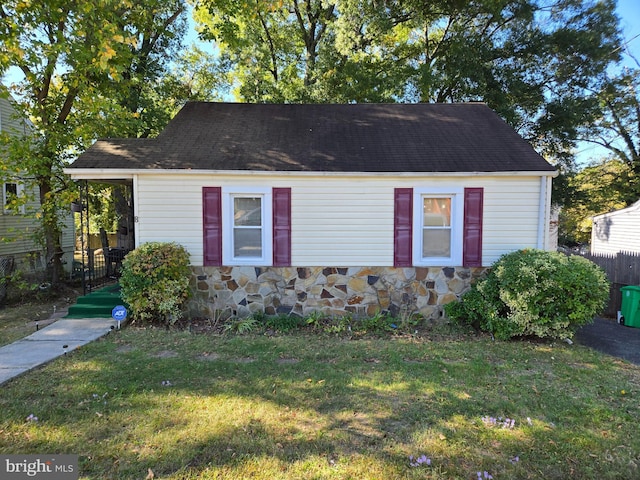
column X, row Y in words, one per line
column 334, row 291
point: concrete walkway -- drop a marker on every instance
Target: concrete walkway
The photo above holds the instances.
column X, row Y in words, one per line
column 50, row 342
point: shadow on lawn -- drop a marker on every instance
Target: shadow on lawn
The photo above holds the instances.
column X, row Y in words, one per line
column 193, row 404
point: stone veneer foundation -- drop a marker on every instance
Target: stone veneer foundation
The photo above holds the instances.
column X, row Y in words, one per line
column 333, row 291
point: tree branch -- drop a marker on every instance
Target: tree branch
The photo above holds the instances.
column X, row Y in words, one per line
column 272, row 49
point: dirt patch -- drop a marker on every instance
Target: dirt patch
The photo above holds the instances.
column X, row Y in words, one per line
column 199, row 325
column 208, row 356
column 413, row 360
column 166, row 354
column 242, row 360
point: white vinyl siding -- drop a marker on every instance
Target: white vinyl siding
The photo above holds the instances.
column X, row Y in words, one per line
column 338, row 222
column 617, row 231
column 9, row 122
column 16, row 232
column 335, row 220
column 510, row 217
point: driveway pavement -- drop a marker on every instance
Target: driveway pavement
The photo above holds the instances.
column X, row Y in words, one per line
column 607, row 336
column 52, row 341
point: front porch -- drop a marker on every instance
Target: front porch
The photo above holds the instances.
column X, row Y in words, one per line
column 99, row 253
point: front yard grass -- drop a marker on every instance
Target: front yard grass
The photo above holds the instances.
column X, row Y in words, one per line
column 200, row 406
column 18, row 319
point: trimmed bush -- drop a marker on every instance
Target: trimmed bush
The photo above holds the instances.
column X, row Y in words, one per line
column 534, row 292
column 155, row 282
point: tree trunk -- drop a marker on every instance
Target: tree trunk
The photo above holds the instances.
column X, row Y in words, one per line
column 51, row 234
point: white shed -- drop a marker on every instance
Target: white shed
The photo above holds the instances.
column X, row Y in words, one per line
column 617, row 231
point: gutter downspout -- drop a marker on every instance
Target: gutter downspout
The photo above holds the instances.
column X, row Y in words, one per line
column 544, row 212
column 136, row 224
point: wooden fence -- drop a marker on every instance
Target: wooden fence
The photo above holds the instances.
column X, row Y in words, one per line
column 622, row 269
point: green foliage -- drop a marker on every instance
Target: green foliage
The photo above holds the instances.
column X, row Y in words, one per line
column 85, row 72
column 598, row 188
column 381, row 322
column 155, row 281
column 378, row 323
column 534, row 292
column 534, row 65
column 615, row 125
column 337, row 325
column 241, row 325
column 325, row 409
column 102, row 208
column 283, row 323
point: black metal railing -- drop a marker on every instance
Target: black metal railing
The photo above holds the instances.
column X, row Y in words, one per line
column 95, row 268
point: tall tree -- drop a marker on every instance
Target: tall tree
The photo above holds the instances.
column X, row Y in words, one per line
column 615, row 126
column 530, row 60
column 597, row 188
column 158, row 27
column 73, row 57
column 195, row 75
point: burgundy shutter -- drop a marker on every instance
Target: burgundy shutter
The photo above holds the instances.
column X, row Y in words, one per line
column 472, row 231
column 212, row 225
column 281, row 227
column 403, row 227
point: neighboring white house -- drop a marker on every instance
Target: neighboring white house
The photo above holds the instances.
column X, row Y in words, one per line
column 337, row 208
column 617, row 231
column 17, row 228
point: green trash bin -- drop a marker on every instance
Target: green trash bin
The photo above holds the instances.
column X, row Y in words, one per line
column 630, row 308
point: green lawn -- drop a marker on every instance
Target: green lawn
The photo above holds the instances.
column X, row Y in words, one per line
column 300, row 406
column 19, row 319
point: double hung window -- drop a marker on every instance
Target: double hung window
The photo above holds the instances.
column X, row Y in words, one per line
column 246, row 226
column 10, row 191
column 246, row 221
column 437, row 227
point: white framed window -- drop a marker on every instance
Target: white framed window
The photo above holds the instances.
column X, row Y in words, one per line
column 247, row 226
column 11, row 190
column 438, row 217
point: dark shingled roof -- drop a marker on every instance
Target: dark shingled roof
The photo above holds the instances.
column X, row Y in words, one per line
column 381, row 138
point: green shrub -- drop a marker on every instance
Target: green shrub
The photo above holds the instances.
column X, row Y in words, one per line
column 282, row 322
column 534, row 292
column 155, row 282
column 378, row 323
column 241, row 325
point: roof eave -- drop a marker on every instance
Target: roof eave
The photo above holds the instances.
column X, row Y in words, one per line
column 630, row 208
column 109, row 173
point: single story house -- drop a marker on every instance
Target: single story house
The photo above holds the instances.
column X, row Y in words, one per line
column 617, row 231
column 18, row 245
column 333, row 208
